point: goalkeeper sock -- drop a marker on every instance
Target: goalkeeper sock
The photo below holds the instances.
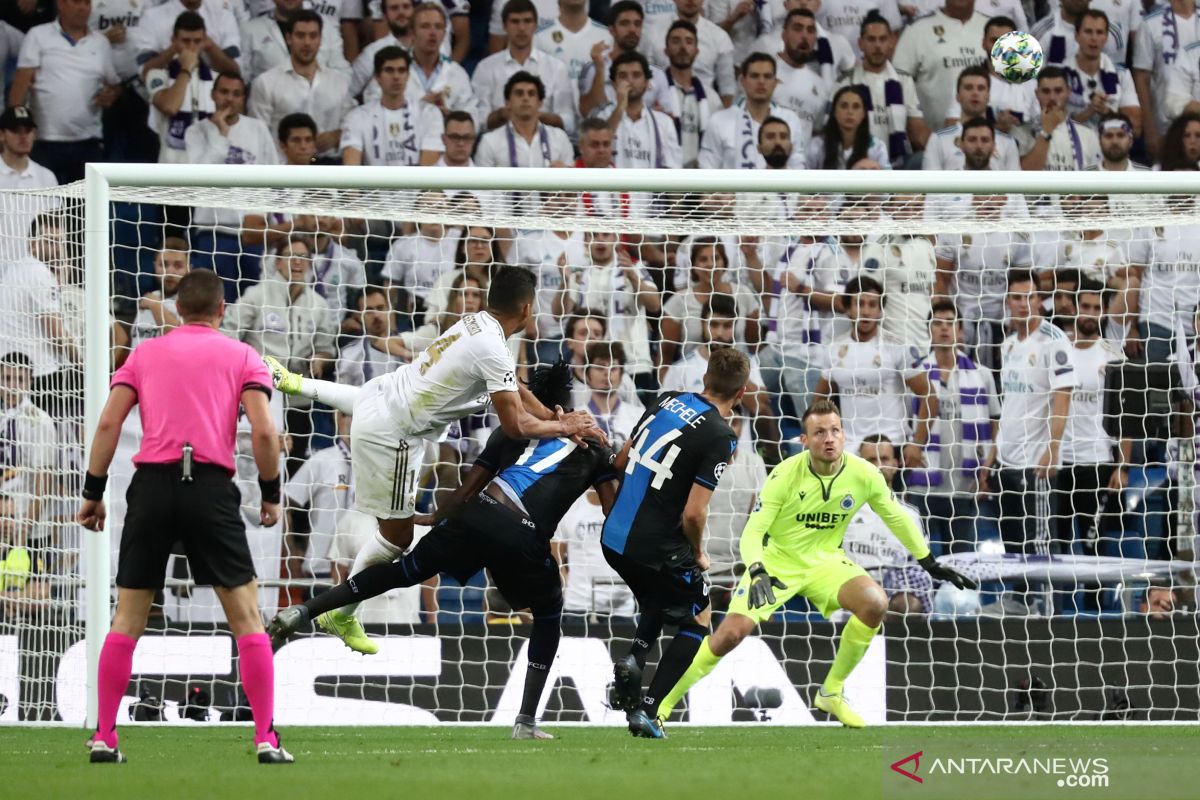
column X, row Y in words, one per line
column 116, row 665
column 704, row 662
column 377, row 550
column 257, row 665
column 856, row 638
column 648, row 630
column 675, row 661
column 543, row 646
column 337, row 395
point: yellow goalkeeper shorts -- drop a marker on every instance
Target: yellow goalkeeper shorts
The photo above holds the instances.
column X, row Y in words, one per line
column 818, row 580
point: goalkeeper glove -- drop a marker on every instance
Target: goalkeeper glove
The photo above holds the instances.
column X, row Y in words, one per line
column 762, row 586
column 944, row 573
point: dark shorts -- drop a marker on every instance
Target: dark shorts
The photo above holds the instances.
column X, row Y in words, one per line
column 484, row 534
column 205, row 515
column 679, row 591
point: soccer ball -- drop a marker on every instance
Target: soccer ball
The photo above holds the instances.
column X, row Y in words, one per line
column 1017, row 57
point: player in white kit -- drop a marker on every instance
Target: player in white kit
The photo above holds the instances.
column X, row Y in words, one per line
column 396, row 414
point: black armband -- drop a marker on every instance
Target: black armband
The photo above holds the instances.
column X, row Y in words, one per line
column 269, row 489
column 93, row 486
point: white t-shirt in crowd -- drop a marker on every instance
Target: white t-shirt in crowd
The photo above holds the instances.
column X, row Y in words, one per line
column 393, row 137
column 933, row 50
column 593, row 587
column 870, row 378
column 1032, row 369
column 69, row 74
column 324, row 485
column 1085, row 440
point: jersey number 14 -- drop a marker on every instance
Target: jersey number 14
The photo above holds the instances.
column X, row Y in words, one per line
column 656, row 457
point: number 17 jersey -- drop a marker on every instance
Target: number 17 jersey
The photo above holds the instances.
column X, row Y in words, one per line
column 680, row 441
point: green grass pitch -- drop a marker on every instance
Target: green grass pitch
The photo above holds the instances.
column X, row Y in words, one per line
column 481, row 763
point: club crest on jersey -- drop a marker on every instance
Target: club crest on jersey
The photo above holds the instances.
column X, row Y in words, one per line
column 557, row 37
column 847, row 502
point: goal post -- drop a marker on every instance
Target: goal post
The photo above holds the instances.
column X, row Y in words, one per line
column 679, row 205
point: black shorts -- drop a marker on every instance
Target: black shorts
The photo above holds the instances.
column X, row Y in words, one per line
column 679, row 591
column 485, row 534
column 205, row 515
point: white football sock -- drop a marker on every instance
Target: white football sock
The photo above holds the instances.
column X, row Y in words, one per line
column 376, row 551
column 337, row 395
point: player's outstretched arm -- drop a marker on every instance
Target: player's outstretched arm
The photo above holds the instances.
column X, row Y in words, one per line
column 518, row 423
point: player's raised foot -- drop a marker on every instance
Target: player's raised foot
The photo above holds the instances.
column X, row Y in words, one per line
column 274, row 754
column 835, row 705
column 527, row 728
column 286, row 623
column 643, row 726
column 285, row 380
column 347, row 628
column 101, row 753
column 627, row 684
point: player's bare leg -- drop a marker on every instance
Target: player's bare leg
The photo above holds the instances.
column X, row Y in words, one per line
column 257, row 665
column 336, row 395
column 116, row 666
column 867, row 604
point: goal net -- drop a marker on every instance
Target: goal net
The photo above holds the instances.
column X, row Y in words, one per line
column 1018, row 358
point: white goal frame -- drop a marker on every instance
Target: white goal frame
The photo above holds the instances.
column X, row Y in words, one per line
column 102, row 178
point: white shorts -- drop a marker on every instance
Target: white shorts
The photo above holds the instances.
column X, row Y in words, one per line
column 387, row 463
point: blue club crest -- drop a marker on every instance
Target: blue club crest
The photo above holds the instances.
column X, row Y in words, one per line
column 847, row 502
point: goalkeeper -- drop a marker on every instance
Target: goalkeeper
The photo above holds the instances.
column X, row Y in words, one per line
column 792, row 545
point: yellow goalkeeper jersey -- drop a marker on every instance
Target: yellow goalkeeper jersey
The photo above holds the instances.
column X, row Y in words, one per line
column 803, row 514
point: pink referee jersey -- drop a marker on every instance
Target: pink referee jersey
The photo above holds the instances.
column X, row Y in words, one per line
column 189, row 385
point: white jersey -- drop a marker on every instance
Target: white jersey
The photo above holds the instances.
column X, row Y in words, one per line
column 1124, row 19
column 944, row 151
column 695, row 109
column 649, row 142
column 833, row 54
column 361, row 361
column 31, row 292
column 447, row 78
column 607, row 288
column 982, row 262
column 1057, row 38
column 1032, row 369
column 1073, row 147
column 415, row 262
column 687, row 375
column 108, row 14
column 545, row 253
column 1171, row 285
column 144, row 327
column 731, row 141
column 729, row 508
column 393, row 137
column 805, row 91
column 1161, row 41
column 1114, row 81
column 593, row 587
column 324, row 485
column 1018, row 99
column 195, row 105
column 248, row 142
column 452, row 378
column 870, row 543
column 823, row 267
column 933, row 50
column 845, row 17
column 687, row 307
column 894, row 102
column 714, row 59
column 28, row 449
column 658, row 94
column 906, row 268
column 1183, row 83
column 573, row 48
column 1085, row 441
column 870, row 379
column 1099, row 258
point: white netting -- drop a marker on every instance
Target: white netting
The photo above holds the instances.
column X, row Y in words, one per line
column 1087, row 593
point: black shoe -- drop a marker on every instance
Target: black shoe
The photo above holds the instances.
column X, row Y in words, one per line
column 627, row 684
column 103, row 754
column 286, row 622
column 274, row 755
column 643, row 726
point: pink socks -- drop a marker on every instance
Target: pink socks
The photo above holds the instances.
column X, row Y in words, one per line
column 116, row 665
column 258, row 679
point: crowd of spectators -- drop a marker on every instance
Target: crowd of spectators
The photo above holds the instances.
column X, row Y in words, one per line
column 973, row 366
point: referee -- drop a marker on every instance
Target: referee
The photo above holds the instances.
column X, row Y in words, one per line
column 182, row 489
